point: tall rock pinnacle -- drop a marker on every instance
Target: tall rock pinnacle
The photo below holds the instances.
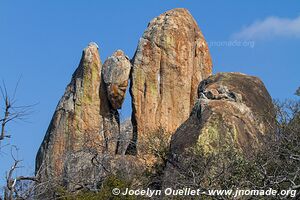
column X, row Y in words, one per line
column 83, row 125
column 171, row 59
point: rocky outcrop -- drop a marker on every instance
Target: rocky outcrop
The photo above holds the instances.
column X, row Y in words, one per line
column 115, row 72
column 85, row 142
column 83, row 126
column 233, row 110
column 171, row 59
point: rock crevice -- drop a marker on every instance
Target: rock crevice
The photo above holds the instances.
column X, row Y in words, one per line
column 85, row 124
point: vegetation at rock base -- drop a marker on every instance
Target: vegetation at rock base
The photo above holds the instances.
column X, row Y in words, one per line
column 276, row 165
column 104, row 193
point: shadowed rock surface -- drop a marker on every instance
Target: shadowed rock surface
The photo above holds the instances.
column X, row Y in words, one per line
column 171, row 59
column 125, row 135
column 83, row 125
column 233, row 110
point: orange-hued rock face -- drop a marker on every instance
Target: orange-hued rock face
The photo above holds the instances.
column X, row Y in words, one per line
column 115, row 73
column 83, row 125
column 171, row 59
column 176, row 105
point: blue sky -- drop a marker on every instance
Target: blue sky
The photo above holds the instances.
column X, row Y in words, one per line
column 41, row 41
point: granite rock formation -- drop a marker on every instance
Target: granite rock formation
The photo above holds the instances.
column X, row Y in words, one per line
column 173, row 96
column 233, row 110
column 232, row 107
column 171, row 59
column 84, row 125
column 115, row 73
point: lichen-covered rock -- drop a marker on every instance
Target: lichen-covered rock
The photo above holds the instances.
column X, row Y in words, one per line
column 233, row 111
column 115, row 73
column 232, row 108
column 83, row 125
column 171, row 59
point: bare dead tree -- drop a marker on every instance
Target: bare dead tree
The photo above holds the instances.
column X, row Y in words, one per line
column 11, row 111
column 10, row 191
